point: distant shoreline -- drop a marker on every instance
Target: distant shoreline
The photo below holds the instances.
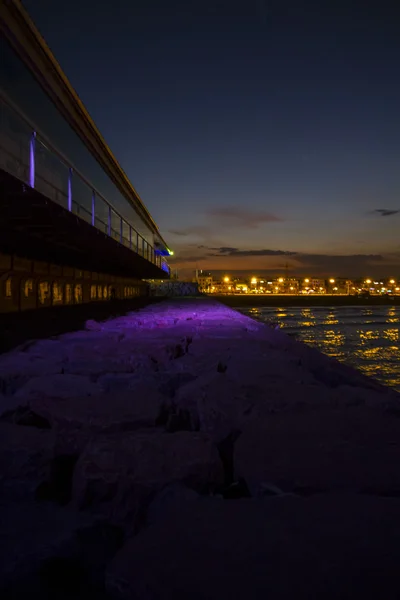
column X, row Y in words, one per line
column 247, row 300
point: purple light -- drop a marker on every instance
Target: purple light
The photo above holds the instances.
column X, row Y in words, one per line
column 70, row 190
column 32, row 160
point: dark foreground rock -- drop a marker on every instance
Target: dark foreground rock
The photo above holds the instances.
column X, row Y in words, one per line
column 117, row 476
column 54, row 552
column 230, row 460
column 329, row 546
column 356, row 449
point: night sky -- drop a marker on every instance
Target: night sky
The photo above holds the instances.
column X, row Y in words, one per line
column 258, row 133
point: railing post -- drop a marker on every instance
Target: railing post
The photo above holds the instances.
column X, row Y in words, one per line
column 32, row 160
column 137, row 242
column 93, row 208
column 109, row 220
column 143, row 247
column 70, row 189
column 121, row 231
column 130, row 237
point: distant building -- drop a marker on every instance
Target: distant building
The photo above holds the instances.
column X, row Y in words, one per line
column 205, row 281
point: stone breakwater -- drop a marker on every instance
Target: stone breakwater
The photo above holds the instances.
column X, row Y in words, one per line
column 186, row 451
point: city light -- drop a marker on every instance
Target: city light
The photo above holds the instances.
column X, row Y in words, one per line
column 230, row 284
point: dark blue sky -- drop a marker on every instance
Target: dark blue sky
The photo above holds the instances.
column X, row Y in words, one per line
column 248, row 126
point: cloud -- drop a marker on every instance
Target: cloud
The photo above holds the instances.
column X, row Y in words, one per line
column 200, row 230
column 226, row 251
column 338, row 263
column 238, row 217
column 242, row 261
column 384, row 212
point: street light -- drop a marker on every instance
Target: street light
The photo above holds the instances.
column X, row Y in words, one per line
column 254, row 281
column 331, row 281
column 392, row 281
column 306, row 281
column 281, row 280
column 367, row 281
column 226, row 279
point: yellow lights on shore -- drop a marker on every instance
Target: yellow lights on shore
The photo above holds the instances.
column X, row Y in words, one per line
column 368, row 281
column 226, row 279
column 277, row 289
column 335, row 289
column 254, row 281
column 306, row 281
column 281, row 280
column 331, row 281
column 392, row 281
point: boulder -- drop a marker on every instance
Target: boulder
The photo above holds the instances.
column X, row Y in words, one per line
column 117, row 475
column 25, row 460
column 50, row 552
column 59, row 386
column 104, row 413
column 217, row 404
column 329, row 546
column 305, row 452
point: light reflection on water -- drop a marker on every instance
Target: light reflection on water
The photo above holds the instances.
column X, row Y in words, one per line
column 366, row 338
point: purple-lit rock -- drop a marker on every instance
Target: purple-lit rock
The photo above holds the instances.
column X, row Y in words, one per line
column 135, row 417
column 141, row 406
column 59, row 386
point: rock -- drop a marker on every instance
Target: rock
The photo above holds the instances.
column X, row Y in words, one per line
column 355, row 449
column 104, row 413
column 117, row 475
column 97, row 367
column 51, row 552
column 93, row 325
column 172, row 497
column 59, row 386
column 17, row 368
column 217, row 404
column 25, row 460
column 174, row 382
column 328, row 546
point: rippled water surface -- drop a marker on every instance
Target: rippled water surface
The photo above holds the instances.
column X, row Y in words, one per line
column 367, row 338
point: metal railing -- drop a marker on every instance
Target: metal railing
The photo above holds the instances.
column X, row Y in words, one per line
column 29, row 155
